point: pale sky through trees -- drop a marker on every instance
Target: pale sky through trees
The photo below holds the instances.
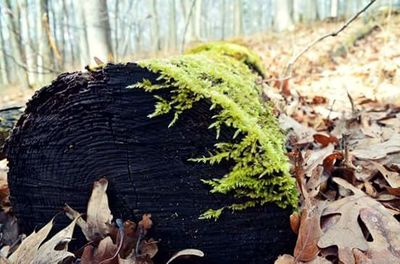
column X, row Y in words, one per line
column 42, row 38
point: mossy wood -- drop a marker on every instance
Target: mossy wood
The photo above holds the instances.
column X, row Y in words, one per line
column 184, row 124
column 238, row 52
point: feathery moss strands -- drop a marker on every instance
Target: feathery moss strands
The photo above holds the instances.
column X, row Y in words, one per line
column 239, row 52
column 260, row 173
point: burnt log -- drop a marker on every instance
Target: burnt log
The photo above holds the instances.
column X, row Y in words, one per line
column 8, row 118
column 88, row 125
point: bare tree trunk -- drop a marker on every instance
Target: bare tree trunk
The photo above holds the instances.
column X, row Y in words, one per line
column 192, row 13
column 186, row 6
column 127, row 43
column 82, row 34
column 71, row 38
column 98, row 30
column 349, row 7
column 52, row 33
column 137, row 37
column 238, row 21
column 44, row 56
column 259, row 10
column 196, row 19
column 172, row 39
column 334, row 8
column 187, row 24
column 283, row 19
column 4, row 62
column 116, row 31
column 155, row 26
column 17, row 49
column 296, row 12
column 223, row 19
column 310, row 11
column 29, row 52
column 60, row 22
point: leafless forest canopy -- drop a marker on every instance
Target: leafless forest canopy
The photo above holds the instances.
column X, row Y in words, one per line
column 42, row 38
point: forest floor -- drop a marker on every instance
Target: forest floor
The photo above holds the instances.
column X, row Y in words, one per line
column 362, row 60
column 342, row 107
column 342, row 111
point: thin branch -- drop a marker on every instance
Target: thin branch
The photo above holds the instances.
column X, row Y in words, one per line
column 353, row 108
column 25, row 67
column 187, row 25
column 11, row 108
column 289, row 68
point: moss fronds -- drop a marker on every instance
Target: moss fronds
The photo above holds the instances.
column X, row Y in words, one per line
column 260, row 173
column 239, row 52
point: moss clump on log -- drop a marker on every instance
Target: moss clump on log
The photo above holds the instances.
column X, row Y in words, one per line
column 260, row 173
column 239, row 52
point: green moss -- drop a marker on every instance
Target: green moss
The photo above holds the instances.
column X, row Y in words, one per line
column 260, row 173
column 236, row 51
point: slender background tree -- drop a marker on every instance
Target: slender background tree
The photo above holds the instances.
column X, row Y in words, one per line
column 40, row 38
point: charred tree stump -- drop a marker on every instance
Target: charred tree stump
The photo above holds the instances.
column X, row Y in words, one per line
column 88, row 125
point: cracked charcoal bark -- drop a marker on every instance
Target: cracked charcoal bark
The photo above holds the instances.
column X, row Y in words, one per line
column 88, row 125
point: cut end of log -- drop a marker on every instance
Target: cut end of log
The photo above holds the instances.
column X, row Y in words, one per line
column 88, row 125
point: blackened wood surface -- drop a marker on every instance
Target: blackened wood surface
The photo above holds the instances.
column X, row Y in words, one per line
column 85, row 126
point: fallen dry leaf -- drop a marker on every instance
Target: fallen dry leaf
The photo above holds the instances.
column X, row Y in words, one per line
column 149, row 247
column 330, row 161
column 285, row 259
column 316, row 158
column 346, row 233
column 306, row 248
column 393, row 191
column 55, row 250
column 319, row 100
column 130, row 247
column 27, row 250
column 303, row 133
column 146, row 223
column 98, row 216
column 392, row 178
column 319, row 260
column 385, row 232
column 295, row 222
column 365, row 150
column 147, row 250
column 369, row 189
column 314, row 182
column 105, row 252
column 186, row 253
column 325, row 140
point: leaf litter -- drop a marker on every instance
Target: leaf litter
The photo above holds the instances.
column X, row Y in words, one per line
column 343, row 132
column 109, row 241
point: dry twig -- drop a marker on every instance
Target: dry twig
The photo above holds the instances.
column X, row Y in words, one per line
column 289, row 68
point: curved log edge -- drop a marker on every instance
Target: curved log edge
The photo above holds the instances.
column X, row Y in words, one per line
column 88, row 125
